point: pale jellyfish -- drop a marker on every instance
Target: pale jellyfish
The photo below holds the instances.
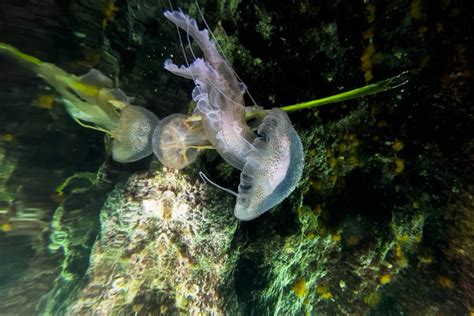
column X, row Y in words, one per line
column 94, row 102
column 132, row 139
column 272, row 169
column 178, row 141
column 271, row 163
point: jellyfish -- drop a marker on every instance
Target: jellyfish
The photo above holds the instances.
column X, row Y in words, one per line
column 218, row 95
column 272, row 169
column 94, row 102
column 177, row 141
column 92, row 98
column 132, row 139
column 272, row 162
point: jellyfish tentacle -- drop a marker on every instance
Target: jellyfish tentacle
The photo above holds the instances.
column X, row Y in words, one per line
column 94, row 103
column 206, row 179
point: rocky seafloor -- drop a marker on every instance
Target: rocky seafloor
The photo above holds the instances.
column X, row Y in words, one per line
column 381, row 222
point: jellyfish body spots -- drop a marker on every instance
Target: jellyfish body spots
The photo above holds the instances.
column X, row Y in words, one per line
column 273, row 167
column 178, row 142
column 132, row 138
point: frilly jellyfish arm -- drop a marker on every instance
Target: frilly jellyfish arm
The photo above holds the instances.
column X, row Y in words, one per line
column 218, row 95
column 199, row 70
column 96, row 79
column 92, row 98
column 86, row 97
column 207, row 45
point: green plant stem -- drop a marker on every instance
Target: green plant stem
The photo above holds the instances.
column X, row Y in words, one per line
column 380, row 86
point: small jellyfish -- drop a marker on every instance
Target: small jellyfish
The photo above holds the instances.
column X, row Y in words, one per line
column 177, row 141
column 94, row 102
column 91, row 98
column 132, row 139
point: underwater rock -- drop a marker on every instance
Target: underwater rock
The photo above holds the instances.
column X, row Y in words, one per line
column 164, row 247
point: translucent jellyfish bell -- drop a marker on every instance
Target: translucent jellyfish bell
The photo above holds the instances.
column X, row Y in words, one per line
column 177, row 141
column 132, row 139
column 272, row 169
